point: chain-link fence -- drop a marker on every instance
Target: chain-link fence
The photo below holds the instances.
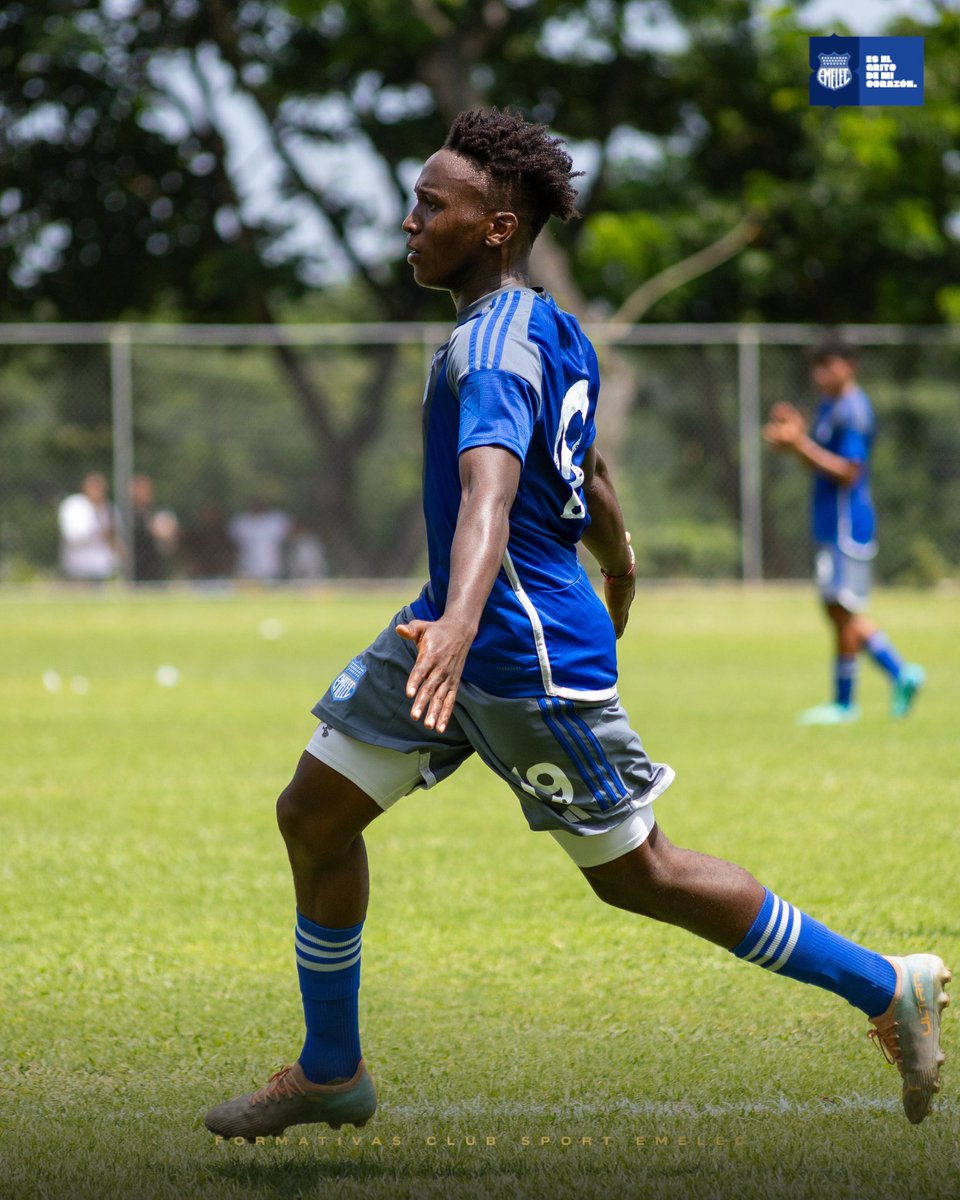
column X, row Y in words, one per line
column 308, row 438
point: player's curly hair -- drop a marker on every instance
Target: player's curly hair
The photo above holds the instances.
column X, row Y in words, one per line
column 531, row 165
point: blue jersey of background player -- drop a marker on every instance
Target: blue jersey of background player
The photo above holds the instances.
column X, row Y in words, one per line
column 843, row 513
column 518, row 373
column 511, row 477
column 837, row 449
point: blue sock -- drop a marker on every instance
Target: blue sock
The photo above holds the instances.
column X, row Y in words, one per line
column 844, row 678
column 328, row 963
column 879, row 648
column 785, row 940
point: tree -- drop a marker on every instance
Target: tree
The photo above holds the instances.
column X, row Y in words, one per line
column 118, row 131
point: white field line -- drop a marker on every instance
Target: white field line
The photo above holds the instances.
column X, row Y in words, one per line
column 579, row 1110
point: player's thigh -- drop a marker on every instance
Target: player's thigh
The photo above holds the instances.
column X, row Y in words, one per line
column 366, row 733
column 843, row 581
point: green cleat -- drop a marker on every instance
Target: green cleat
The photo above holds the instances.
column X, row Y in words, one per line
column 289, row 1098
column 908, row 1033
column 829, row 714
column 905, row 688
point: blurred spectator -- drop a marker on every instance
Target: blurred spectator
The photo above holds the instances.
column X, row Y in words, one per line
column 260, row 535
column 205, row 544
column 88, row 545
column 155, row 532
column 306, row 557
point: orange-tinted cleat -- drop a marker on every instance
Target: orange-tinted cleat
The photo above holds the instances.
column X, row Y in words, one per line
column 289, row 1098
column 908, row 1033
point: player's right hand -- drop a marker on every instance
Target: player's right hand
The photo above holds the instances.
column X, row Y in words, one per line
column 433, row 683
column 785, row 427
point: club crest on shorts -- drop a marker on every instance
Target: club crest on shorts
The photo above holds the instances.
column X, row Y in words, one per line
column 834, row 73
column 346, row 682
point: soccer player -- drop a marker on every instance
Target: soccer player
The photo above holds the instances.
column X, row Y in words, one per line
column 508, row 652
column 837, row 451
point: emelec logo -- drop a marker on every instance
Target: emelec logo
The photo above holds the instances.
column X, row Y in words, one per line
column 926, row 1024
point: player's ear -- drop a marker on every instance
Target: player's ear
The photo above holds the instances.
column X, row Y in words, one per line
column 503, row 226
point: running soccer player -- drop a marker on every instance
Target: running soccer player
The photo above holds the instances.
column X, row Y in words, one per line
column 837, row 451
column 509, row 653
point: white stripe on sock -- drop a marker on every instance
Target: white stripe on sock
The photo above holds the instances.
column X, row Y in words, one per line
column 777, row 941
column 327, row 955
column 309, row 937
column 794, row 935
column 775, row 912
column 338, row 966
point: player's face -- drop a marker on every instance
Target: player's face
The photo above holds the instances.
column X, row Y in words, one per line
column 831, row 375
column 449, row 223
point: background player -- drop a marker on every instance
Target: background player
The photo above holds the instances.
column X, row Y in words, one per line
column 837, row 450
column 509, row 653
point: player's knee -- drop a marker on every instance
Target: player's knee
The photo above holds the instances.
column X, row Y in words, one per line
column 310, row 826
column 299, row 815
column 628, row 899
column 640, row 882
column 291, row 813
column 628, row 891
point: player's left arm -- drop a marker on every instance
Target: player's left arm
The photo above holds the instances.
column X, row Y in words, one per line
column 607, row 539
column 786, row 430
column 489, row 477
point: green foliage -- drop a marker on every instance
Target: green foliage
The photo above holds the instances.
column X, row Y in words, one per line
column 948, row 303
column 113, row 171
column 855, row 204
column 104, row 213
column 927, row 566
column 687, row 548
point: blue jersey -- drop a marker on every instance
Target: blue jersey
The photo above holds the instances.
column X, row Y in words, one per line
column 843, row 516
column 519, row 373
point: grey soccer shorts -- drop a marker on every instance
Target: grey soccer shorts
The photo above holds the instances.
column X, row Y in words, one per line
column 578, row 769
column 843, row 579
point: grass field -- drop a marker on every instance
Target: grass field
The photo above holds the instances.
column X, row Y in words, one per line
column 526, row 1040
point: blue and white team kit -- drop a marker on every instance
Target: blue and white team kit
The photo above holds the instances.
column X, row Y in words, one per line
column 538, row 698
column 844, row 525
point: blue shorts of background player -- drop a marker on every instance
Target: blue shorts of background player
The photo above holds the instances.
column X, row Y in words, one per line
column 837, row 451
